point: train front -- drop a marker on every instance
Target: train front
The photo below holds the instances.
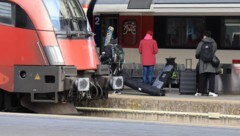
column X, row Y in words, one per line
column 73, row 71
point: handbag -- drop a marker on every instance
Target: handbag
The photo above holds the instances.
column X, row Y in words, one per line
column 215, row 61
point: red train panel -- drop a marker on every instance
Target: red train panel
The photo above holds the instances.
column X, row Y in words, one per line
column 133, row 28
column 19, row 47
column 81, row 53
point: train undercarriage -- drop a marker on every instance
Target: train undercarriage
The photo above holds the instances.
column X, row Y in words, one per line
column 34, row 87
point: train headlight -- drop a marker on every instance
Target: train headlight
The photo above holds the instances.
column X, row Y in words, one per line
column 117, row 82
column 83, row 84
column 54, row 55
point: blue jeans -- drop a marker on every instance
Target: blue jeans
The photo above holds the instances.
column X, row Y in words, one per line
column 148, row 74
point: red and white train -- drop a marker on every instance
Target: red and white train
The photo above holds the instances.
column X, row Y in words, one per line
column 48, row 54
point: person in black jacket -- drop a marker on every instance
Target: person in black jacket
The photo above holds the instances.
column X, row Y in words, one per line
column 207, row 71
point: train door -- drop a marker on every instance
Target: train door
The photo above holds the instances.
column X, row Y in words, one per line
column 19, row 43
column 102, row 23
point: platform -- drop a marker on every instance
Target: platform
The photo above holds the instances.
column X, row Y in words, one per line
column 221, row 110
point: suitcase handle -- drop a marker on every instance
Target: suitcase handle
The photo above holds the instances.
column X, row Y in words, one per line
column 188, row 63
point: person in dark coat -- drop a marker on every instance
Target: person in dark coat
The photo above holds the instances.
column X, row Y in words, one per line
column 148, row 48
column 206, row 70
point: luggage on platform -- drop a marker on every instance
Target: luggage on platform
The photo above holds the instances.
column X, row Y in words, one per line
column 163, row 77
column 161, row 80
column 187, row 83
column 137, row 84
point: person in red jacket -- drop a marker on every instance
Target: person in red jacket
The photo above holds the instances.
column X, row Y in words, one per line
column 148, row 48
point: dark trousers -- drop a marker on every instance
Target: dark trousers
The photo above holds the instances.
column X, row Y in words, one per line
column 205, row 80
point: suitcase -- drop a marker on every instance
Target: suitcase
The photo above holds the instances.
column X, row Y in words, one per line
column 187, row 80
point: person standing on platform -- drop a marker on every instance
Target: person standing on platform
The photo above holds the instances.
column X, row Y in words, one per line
column 205, row 52
column 148, row 48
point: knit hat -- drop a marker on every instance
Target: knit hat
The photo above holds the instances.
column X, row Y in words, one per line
column 150, row 32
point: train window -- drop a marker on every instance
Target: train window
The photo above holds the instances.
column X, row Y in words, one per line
column 187, row 32
column 6, row 13
column 139, row 4
column 232, row 33
column 184, row 32
column 75, row 10
column 66, row 15
column 22, row 19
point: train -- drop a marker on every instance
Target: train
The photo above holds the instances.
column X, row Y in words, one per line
column 178, row 26
column 48, row 55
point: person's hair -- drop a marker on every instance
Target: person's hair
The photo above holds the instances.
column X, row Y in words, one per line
column 150, row 32
column 208, row 33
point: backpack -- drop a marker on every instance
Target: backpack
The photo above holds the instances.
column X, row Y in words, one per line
column 206, row 53
column 118, row 51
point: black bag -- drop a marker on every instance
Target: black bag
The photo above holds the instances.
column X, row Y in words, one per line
column 113, row 54
column 137, row 85
column 119, row 53
column 206, row 53
column 215, row 61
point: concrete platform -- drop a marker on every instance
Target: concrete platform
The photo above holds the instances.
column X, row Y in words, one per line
column 206, row 110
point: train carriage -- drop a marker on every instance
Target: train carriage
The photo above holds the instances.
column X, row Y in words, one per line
column 178, row 26
column 48, row 54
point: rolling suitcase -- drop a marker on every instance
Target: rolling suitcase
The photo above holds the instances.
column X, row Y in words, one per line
column 187, row 83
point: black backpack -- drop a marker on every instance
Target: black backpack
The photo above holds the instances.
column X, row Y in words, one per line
column 206, row 53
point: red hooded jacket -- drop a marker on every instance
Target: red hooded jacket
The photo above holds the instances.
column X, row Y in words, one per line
column 148, row 48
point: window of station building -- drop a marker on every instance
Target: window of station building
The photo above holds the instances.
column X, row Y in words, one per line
column 6, row 15
column 231, row 33
column 184, row 32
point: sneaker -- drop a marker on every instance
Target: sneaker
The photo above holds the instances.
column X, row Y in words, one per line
column 198, row 94
column 212, row 94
